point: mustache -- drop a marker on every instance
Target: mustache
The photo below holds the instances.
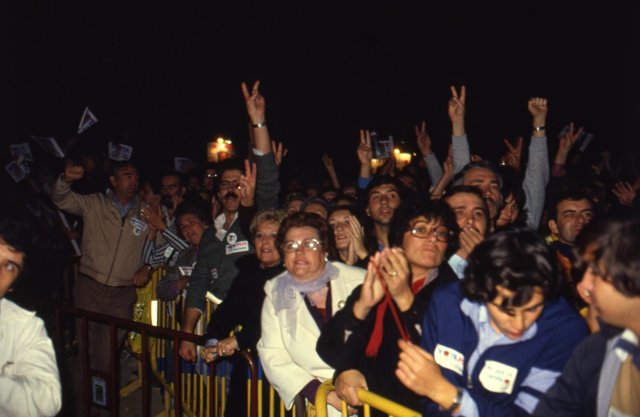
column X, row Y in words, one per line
column 230, row 194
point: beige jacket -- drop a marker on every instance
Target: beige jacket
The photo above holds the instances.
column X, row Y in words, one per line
column 111, row 250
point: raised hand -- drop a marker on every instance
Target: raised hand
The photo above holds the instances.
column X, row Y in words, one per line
column 396, row 273
column 247, row 184
column 457, row 110
column 356, row 235
column 73, row 172
column 371, row 291
column 445, row 179
column 625, row 193
column 327, row 161
column 279, row 152
column 538, row 107
column 569, row 139
column 423, row 139
column 513, row 156
column 365, row 151
column 153, row 217
column 255, row 103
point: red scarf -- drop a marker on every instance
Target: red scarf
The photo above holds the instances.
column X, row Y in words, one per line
column 378, row 329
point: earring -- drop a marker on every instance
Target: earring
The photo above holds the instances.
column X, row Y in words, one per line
column 326, row 257
column 587, row 293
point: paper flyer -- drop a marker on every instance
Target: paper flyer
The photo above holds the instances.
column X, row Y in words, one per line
column 16, row 171
column 119, row 152
column 181, row 164
column 87, row 120
column 21, row 149
column 49, row 145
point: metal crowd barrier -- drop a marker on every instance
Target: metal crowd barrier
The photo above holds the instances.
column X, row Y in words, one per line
column 368, row 398
column 200, row 388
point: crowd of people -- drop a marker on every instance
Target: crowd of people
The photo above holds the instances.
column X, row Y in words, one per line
column 460, row 287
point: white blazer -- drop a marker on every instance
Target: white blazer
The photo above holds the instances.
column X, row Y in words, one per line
column 287, row 347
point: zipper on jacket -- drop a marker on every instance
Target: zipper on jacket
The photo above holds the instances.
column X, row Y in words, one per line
column 116, row 252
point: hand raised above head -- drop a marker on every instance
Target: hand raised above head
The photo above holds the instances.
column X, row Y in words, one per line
column 423, row 139
column 73, row 172
column 255, row 103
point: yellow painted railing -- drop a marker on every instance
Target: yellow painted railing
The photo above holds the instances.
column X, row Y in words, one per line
column 368, row 398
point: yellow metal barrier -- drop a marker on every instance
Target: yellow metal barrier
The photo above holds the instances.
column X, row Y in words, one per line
column 368, row 398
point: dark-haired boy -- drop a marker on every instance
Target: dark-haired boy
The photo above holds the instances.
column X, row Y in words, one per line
column 602, row 377
column 29, row 379
column 494, row 343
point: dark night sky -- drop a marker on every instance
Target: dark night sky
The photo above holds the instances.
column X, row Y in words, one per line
column 166, row 78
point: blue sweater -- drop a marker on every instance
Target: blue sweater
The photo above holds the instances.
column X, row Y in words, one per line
column 509, row 377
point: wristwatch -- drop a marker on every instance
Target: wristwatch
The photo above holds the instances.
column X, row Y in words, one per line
column 456, row 401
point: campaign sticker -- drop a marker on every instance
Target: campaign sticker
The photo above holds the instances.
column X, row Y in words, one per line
column 232, row 238
column 237, row 247
column 498, row 377
column 449, row 358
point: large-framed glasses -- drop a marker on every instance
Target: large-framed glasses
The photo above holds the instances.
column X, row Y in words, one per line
column 307, row 245
column 422, row 230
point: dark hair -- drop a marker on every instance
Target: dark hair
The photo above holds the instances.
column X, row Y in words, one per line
column 379, row 180
column 315, row 200
column 613, row 243
column 517, row 259
column 409, row 211
column 313, row 220
column 116, row 166
column 19, row 236
column 470, row 189
column 230, row 164
column 479, row 164
column 570, row 194
column 197, row 209
column 173, row 173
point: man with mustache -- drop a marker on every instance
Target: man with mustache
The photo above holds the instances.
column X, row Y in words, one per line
column 484, row 175
column 240, row 192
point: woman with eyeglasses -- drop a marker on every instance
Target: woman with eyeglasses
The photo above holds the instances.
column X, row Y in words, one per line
column 240, row 311
column 361, row 340
column 297, row 306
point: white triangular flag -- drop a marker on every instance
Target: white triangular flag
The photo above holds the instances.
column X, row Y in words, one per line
column 50, row 145
column 21, row 149
column 87, row 120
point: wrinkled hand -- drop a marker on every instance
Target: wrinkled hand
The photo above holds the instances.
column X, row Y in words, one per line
column 255, row 103
column 347, row 385
column 72, row 172
column 279, row 152
column 247, row 184
column 188, row 351
column 625, row 193
column 228, row 346
column 423, row 139
column 365, row 151
column 209, row 354
column 141, row 277
column 457, row 104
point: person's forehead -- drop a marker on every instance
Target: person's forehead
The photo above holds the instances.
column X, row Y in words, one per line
column 169, row 180
column 466, row 200
column 267, row 225
column 8, row 251
column 231, row 174
column 577, row 205
column 304, row 232
column 384, row 188
column 339, row 214
column 480, row 173
column 188, row 218
column 126, row 170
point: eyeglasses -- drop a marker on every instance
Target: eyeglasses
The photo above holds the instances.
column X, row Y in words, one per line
column 265, row 236
column 230, row 184
column 422, row 230
column 307, row 245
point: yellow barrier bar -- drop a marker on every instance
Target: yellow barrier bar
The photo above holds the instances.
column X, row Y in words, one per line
column 368, row 398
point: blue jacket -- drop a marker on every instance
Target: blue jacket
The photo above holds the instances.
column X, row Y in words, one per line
column 509, row 377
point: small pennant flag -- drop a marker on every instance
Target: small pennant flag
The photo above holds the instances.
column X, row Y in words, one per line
column 87, row 120
column 50, row 145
